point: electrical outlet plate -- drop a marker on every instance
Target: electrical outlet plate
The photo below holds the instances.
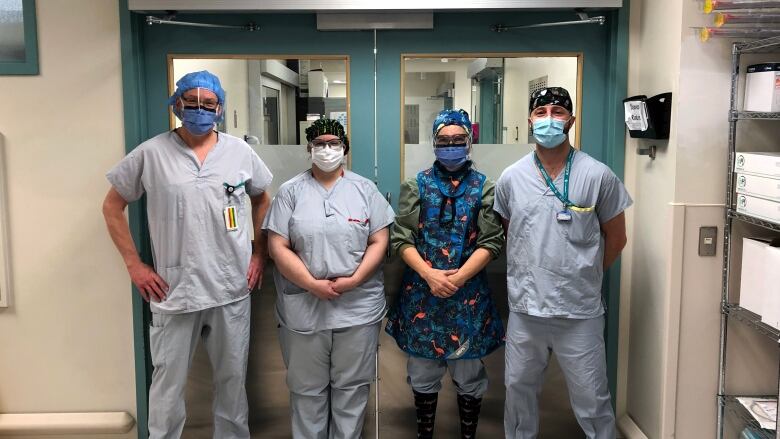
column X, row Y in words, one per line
column 708, row 241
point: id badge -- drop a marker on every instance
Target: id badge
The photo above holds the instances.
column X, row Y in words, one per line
column 231, row 219
column 564, row 216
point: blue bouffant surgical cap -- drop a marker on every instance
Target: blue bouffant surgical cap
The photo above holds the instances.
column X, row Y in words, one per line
column 202, row 79
column 452, row 117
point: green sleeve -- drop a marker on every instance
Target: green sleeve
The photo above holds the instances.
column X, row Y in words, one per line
column 405, row 228
column 491, row 232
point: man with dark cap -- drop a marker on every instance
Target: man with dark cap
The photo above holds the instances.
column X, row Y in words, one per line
column 196, row 182
column 563, row 213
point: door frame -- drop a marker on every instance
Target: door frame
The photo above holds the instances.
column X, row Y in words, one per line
column 134, row 90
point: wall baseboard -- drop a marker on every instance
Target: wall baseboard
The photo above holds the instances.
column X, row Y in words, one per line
column 630, row 430
column 66, row 423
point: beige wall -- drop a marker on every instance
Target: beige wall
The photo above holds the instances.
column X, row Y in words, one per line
column 654, row 59
column 67, row 336
column 669, row 356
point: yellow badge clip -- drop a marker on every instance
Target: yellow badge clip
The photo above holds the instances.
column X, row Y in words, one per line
column 582, row 209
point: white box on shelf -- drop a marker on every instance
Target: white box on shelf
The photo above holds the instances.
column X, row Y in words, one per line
column 302, row 125
column 318, row 84
column 762, row 87
column 771, row 308
column 753, row 283
column 759, row 208
column 758, row 186
column 766, row 164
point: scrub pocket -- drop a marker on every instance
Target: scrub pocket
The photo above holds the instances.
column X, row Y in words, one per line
column 584, row 228
column 237, row 198
column 291, row 289
column 357, row 237
column 157, row 339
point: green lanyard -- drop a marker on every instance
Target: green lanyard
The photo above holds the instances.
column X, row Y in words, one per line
column 565, row 196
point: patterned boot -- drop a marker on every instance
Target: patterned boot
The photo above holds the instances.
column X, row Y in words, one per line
column 426, row 413
column 468, row 406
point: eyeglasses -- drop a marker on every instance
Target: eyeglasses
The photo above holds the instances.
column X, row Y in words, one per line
column 335, row 144
column 193, row 102
column 459, row 139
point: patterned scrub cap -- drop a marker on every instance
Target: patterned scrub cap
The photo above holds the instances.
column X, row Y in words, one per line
column 327, row 126
column 452, row 117
column 550, row 96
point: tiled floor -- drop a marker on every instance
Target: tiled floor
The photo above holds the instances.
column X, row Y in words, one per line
column 268, row 396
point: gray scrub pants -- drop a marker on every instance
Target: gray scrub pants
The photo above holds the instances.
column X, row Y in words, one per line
column 173, row 339
column 329, row 374
column 579, row 348
column 469, row 376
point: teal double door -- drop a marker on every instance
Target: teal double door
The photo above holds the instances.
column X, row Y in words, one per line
column 375, row 117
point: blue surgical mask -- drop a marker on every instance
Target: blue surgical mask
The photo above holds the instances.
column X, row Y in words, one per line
column 548, row 132
column 197, row 120
column 452, row 157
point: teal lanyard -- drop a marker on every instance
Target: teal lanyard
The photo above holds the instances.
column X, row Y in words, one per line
column 229, row 189
column 550, row 184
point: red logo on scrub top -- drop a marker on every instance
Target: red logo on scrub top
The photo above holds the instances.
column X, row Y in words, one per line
column 353, row 220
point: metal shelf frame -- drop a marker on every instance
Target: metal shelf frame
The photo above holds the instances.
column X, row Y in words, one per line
column 728, row 403
column 733, row 406
column 753, row 115
column 751, row 319
column 754, row 221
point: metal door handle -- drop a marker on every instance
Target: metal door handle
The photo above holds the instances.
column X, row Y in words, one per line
column 389, row 198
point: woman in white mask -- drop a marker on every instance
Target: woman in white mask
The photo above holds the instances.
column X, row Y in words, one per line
column 328, row 234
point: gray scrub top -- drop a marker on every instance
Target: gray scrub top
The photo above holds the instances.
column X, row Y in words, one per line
column 204, row 264
column 554, row 268
column 329, row 231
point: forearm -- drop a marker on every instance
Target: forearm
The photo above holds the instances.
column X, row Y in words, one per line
column 119, row 229
column 260, row 206
column 612, row 249
column 614, row 232
column 291, row 266
column 474, row 264
column 413, row 259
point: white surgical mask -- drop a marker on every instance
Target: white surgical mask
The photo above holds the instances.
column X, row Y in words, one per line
column 327, row 159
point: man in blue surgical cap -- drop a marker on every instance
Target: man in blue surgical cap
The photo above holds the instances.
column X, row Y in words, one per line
column 197, row 182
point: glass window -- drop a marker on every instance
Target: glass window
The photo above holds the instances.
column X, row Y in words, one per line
column 270, row 102
column 494, row 91
column 11, row 31
column 18, row 39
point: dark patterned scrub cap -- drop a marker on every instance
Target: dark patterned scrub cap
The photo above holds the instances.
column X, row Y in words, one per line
column 550, row 96
column 327, row 126
column 452, row 117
